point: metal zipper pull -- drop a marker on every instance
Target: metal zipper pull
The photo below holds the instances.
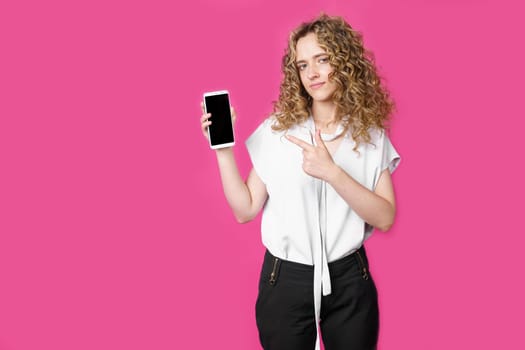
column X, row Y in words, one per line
column 273, row 275
column 363, row 266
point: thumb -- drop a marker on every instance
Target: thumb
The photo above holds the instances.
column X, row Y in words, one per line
column 233, row 114
column 318, row 140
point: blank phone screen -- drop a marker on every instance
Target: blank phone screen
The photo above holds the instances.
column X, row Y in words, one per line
column 221, row 129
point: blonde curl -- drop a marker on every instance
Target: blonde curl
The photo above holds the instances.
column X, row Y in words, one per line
column 361, row 100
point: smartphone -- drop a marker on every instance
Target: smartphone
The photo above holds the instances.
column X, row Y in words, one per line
column 220, row 132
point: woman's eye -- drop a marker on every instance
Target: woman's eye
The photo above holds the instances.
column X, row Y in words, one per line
column 301, row 66
column 323, row 60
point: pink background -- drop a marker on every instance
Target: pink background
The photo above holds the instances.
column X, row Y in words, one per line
column 114, row 233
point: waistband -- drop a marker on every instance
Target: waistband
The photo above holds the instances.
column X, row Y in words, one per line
column 303, row 273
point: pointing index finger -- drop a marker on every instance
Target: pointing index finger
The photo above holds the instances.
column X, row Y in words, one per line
column 298, row 142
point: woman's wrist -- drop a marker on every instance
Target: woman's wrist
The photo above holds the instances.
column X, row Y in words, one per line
column 225, row 152
column 334, row 175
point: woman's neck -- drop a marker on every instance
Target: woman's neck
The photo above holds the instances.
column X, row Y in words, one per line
column 324, row 116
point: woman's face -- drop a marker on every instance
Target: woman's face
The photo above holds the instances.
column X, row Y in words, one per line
column 314, row 67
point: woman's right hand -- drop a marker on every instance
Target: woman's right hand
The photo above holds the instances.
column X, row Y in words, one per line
column 206, row 122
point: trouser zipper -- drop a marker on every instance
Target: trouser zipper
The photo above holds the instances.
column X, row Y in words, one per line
column 364, row 271
column 273, row 275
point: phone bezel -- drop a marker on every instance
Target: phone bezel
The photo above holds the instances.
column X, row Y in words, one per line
column 214, row 93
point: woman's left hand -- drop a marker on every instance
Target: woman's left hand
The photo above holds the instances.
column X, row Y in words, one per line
column 317, row 161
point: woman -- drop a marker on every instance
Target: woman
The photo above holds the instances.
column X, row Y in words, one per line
column 321, row 174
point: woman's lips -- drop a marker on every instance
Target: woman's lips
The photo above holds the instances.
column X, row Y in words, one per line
column 316, row 85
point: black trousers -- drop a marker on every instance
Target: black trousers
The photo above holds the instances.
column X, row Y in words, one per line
column 285, row 306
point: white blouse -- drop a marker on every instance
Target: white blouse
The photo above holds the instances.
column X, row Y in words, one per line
column 304, row 219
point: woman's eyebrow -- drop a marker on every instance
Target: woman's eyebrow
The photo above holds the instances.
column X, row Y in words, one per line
column 315, row 56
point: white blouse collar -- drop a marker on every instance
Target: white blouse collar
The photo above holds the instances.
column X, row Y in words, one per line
column 310, row 126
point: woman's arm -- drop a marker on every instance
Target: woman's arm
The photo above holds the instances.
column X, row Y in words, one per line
column 245, row 198
column 376, row 207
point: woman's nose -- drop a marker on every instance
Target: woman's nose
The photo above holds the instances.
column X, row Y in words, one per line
column 312, row 73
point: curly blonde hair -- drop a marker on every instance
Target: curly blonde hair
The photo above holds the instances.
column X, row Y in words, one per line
column 362, row 102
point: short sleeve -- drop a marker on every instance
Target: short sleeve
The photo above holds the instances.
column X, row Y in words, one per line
column 256, row 143
column 387, row 158
column 390, row 158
